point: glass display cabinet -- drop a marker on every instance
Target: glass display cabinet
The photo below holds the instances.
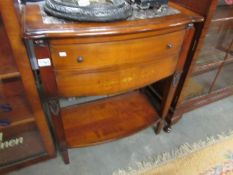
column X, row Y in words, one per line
column 215, row 56
column 209, row 72
column 24, row 134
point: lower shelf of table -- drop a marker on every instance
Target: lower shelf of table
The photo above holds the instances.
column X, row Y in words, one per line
column 108, row 119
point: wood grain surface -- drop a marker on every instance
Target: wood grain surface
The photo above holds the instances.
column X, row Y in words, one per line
column 107, row 119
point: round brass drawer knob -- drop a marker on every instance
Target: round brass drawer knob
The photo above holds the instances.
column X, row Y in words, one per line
column 170, row 45
column 80, row 59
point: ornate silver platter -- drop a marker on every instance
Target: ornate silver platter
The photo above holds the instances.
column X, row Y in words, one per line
column 89, row 10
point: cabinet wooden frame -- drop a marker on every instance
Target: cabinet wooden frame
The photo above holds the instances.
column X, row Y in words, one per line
column 45, row 38
column 20, row 76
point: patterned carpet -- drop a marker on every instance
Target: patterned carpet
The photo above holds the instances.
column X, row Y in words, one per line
column 213, row 156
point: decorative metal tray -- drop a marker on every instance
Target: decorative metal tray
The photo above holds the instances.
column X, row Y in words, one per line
column 89, row 10
column 136, row 14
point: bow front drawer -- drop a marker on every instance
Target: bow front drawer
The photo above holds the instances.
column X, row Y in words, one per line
column 107, row 54
column 116, row 66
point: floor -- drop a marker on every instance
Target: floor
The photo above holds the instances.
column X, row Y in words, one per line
column 106, row 158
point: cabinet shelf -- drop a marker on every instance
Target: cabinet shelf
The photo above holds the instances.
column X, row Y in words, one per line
column 7, row 66
column 107, row 119
column 5, row 75
column 223, row 13
column 201, row 68
column 13, row 94
column 20, row 113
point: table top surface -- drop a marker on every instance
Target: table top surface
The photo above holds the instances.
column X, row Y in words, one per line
column 36, row 26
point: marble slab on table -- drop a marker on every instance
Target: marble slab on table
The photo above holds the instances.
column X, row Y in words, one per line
column 137, row 14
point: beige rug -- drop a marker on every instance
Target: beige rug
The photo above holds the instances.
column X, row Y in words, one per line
column 214, row 156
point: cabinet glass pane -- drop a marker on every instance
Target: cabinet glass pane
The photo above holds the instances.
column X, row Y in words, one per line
column 199, row 85
column 225, row 78
column 219, row 36
column 19, row 135
column 19, row 143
